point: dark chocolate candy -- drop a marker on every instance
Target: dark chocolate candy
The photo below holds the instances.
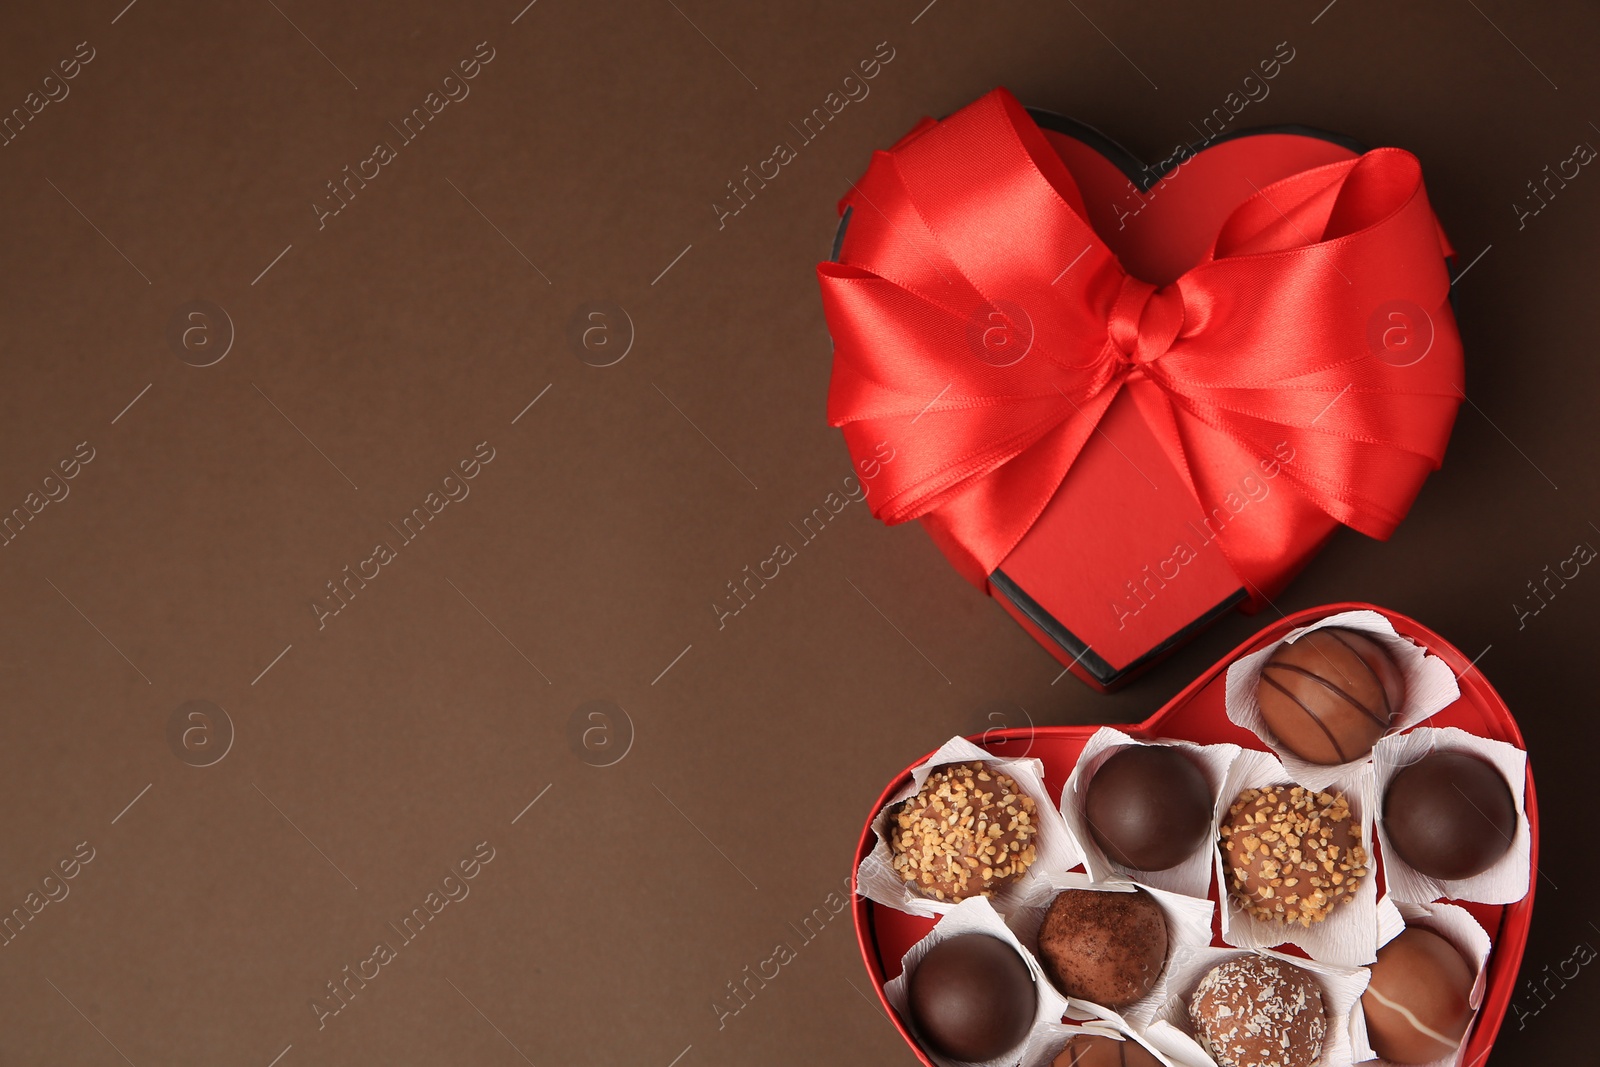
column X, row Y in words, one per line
column 1416, row 1004
column 1148, row 807
column 972, row 998
column 1104, row 947
column 1449, row 815
column 1329, row 696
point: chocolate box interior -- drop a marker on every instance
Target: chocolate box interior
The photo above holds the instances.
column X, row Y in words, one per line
column 1198, row 714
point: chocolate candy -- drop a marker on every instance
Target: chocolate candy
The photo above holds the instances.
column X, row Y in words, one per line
column 1255, row 1011
column 1148, row 807
column 972, row 998
column 969, row 831
column 1416, row 1004
column 1092, row 1050
column 1105, row 947
column 1329, row 696
column 1449, row 815
column 1290, row 854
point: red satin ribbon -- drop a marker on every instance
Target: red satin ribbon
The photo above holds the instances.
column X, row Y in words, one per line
column 1265, row 340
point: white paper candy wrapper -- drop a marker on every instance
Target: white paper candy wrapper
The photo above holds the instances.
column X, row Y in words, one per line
column 1188, row 928
column 1455, row 925
column 877, row 880
column 975, row 916
column 1430, row 687
column 1193, row 876
column 1348, row 937
column 1504, row 883
column 1173, row 1034
column 1176, row 1046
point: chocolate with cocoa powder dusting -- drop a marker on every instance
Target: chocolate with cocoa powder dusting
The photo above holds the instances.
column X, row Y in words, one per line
column 1292, row 853
column 968, row 831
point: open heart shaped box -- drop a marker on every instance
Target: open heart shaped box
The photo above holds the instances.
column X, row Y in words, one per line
column 1197, row 714
column 1086, row 581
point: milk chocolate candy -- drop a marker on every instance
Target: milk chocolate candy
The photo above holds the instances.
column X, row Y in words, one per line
column 1330, row 695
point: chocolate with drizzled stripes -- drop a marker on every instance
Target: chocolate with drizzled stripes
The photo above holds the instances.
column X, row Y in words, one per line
column 1329, row 696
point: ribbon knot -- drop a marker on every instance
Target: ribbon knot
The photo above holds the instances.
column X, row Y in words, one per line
column 1256, row 359
column 1144, row 321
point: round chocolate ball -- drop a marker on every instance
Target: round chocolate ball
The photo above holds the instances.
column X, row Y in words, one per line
column 1105, row 947
column 1329, row 696
column 1449, row 815
column 1092, row 1050
column 1291, row 854
column 1416, row 1003
column 1148, row 807
column 969, row 831
column 1254, row 1010
column 972, row 998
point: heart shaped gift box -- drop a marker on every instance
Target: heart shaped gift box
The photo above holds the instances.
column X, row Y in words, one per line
column 1122, row 399
column 1198, row 714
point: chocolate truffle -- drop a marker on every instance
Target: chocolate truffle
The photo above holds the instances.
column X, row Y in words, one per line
column 1105, row 947
column 1255, row 1011
column 972, row 998
column 1416, row 1004
column 1148, row 807
column 1092, row 1050
column 1449, row 815
column 969, row 831
column 1329, row 696
column 1291, row 853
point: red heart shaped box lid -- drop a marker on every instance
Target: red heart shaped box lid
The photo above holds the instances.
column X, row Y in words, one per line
column 1064, row 582
column 1197, row 714
column 1162, row 230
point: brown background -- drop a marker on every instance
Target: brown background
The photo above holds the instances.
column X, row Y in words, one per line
column 412, row 727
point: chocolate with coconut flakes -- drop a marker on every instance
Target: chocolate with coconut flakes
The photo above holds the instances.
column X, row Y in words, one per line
column 1255, row 1011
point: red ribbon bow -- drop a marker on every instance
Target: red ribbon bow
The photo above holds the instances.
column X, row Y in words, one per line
column 967, row 222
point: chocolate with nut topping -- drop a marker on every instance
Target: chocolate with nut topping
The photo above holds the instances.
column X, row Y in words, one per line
column 968, row 831
column 1291, row 854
